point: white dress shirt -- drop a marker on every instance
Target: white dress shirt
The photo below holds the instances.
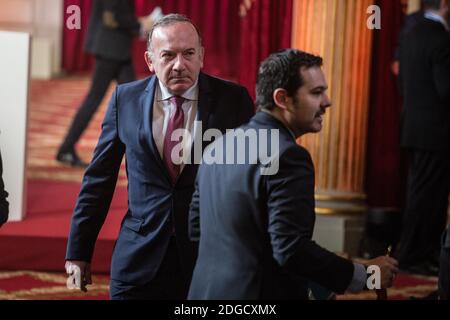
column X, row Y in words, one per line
column 163, row 109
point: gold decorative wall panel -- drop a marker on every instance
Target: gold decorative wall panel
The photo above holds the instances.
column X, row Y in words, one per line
column 337, row 30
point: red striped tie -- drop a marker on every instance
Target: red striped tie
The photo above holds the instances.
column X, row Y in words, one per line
column 176, row 122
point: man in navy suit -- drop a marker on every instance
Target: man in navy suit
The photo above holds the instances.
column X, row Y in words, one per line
column 153, row 257
column 254, row 217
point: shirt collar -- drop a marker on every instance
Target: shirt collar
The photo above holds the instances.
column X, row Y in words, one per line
column 435, row 17
column 288, row 129
column 191, row 94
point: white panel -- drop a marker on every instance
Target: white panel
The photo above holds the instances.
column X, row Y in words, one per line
column 14, row 81
column 41, row 58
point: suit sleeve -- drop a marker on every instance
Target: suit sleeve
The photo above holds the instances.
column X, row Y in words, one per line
column 441, row 69
column 194, row 215
column 97, row 188
column 291, row 220
column 4, row 206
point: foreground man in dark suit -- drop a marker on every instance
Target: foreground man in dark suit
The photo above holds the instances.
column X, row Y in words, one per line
column 4, row 205
column 425, row 85
column 255, row 220
column 153, row 257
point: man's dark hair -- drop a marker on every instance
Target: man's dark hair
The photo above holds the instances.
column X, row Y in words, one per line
column 168, row 20
column 282, row 70
column 431, row 4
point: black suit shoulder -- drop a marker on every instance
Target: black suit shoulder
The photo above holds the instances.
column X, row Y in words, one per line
column 222, row 83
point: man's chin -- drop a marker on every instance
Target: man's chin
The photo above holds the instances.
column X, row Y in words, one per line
column 181, row 87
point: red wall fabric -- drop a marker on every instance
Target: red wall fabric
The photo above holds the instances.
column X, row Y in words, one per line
column 234, row 46
column 218, row 22
column 266, row 28
column 73, row 57
column 385, row 175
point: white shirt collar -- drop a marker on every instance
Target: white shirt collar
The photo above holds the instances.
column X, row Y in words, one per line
column 435, row 17
column 191, row 94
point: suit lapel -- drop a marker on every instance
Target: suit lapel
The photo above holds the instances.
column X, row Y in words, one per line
column 204, row 101
column 203, row 114
column 147, row 100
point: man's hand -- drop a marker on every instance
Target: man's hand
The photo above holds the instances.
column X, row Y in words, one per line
column 79, row 274
column 147, row 22
column 388, row 267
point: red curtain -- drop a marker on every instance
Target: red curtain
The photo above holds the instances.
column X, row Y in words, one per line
column 217, row 20
column 73, row 57
column 234, row 46
column 385, row 174
column 266, row 28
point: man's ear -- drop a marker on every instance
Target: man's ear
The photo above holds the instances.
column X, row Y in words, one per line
column 280, row 98
column 148, row 61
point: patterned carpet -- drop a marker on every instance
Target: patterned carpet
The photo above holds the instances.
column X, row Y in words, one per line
column 53, row 104
column 29, row 285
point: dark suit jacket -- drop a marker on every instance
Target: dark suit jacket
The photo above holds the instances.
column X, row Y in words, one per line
column 105, row 41
column 425, row 85
column 409, row 22
column 154, row 205
column 255, row 230
column 4, row 206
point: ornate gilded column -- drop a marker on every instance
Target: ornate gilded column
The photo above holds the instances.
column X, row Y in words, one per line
column 337, row 30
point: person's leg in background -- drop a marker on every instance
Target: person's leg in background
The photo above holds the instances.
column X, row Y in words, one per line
column 126, row 72
column 105, row 71
column 425, row 214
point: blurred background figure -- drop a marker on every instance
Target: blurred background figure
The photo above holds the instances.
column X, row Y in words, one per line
column 444, row 268
column 4, row 206
column 112, row 26
column 409, row 22
column 424, row 80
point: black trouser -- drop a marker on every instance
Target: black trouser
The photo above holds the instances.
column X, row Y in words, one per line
column 444, row 267
column 105, row 71
column 425, row 215
column 169, row 282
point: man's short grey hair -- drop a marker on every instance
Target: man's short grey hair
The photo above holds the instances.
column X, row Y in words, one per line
column 167, row 20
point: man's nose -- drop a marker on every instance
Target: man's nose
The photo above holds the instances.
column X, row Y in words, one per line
column 326, row 103
column 179, row 63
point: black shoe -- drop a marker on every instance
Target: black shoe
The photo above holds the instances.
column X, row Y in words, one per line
column 426, row 268
column 71, row 159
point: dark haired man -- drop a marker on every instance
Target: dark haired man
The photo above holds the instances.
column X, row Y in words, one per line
column 255, row 237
